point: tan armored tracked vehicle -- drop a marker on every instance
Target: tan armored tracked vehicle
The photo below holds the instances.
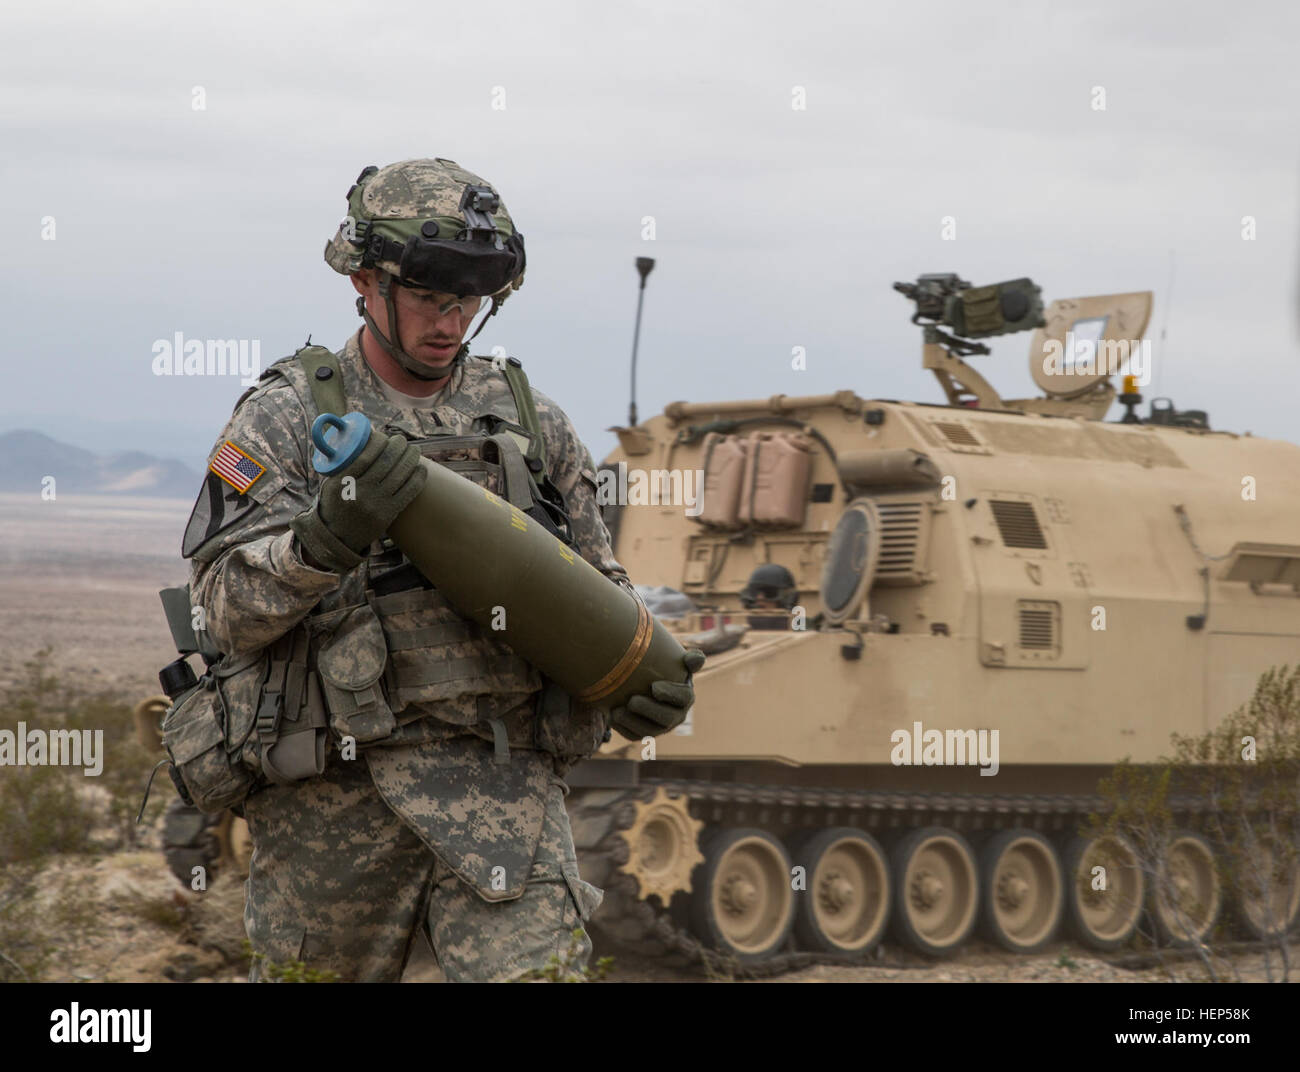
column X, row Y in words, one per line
column 996, row 601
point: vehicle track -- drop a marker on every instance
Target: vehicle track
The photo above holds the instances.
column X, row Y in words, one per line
column 646, row 929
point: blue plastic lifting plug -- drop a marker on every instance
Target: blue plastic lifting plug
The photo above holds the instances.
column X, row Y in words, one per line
column 336, row 452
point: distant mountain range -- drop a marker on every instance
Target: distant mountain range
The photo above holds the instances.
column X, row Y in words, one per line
column 30, row 456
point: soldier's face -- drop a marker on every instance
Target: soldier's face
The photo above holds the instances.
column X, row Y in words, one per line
column 428, row 329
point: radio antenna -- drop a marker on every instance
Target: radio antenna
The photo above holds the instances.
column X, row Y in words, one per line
column 643, row 267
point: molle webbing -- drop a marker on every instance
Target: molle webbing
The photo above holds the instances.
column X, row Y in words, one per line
column 410, row 676
column 423, row 664
column 422, row 672
column 516, row 481
column 291, row 713
column 445, row 633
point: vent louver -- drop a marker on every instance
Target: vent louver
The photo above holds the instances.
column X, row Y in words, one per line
column 900, row 530
column 958, row 434
column 1018, row 524
column 1036, row 629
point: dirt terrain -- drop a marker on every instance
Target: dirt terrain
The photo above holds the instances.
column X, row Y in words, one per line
column 80, row 576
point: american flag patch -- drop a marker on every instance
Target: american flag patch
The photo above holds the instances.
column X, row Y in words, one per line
column 236, row 468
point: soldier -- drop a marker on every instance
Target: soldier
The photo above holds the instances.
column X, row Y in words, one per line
column 415, row 762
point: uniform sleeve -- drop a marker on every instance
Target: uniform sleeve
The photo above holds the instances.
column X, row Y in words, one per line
column 246, row 570
column 574, row 475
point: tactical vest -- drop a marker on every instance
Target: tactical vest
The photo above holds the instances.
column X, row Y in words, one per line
column 384, row 660
column 436, row 663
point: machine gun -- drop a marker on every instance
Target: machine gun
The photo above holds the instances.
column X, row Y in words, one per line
column 1079, row 344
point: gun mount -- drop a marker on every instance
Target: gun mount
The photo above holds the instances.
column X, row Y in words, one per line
column 1078, row 345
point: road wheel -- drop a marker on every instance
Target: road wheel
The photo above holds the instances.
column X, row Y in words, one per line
column 1186, row 897
column 1021, row 890
column 742, row 902
column 236, row 844
column 845, row 906
column 148, row 716
column 1104, row 907
column 936, row 890
column 1268, row 885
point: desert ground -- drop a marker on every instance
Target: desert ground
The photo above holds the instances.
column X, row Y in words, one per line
column 81, row 575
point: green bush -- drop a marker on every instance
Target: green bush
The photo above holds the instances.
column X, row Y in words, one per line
column 50, row 809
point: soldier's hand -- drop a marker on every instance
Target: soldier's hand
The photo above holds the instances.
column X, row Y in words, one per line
column 661, row 711
column 355, row 507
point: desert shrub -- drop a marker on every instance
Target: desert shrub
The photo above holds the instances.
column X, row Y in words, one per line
column 1238, row 785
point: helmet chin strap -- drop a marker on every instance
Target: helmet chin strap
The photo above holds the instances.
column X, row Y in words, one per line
column 393, row 348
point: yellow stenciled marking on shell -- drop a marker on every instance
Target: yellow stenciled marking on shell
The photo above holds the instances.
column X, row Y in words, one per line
column 517, row 519
column 565, row 553
column 496, row 500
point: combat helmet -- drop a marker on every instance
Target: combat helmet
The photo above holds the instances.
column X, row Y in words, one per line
column 428, row 224
column 770, row 582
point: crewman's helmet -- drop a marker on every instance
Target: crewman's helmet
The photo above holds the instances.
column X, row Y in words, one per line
column 770, row 582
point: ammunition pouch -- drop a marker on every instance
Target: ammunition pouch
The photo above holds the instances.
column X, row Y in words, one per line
column 350, row 660
column 207, row 733
column 566, row 729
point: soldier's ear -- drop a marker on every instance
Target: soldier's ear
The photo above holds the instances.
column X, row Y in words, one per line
column 364, row 282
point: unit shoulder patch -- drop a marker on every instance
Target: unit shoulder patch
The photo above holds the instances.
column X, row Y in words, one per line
column 217, row 508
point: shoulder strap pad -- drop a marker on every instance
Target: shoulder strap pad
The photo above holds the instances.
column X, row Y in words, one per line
column 326, row 391
column 324, row 378
column 535, row 456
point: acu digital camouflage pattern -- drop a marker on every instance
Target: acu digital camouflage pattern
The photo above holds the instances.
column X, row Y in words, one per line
column 360, row 919
column 411, row 190
column 429, row 757
column 248, row 576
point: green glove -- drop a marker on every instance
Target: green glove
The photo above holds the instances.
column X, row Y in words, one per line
column 385, row 478
column 663, row 709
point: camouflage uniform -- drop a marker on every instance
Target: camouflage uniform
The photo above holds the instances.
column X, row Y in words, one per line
column 422, row 828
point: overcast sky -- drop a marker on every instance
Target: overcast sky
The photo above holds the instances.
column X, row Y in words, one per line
column 775, row 227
